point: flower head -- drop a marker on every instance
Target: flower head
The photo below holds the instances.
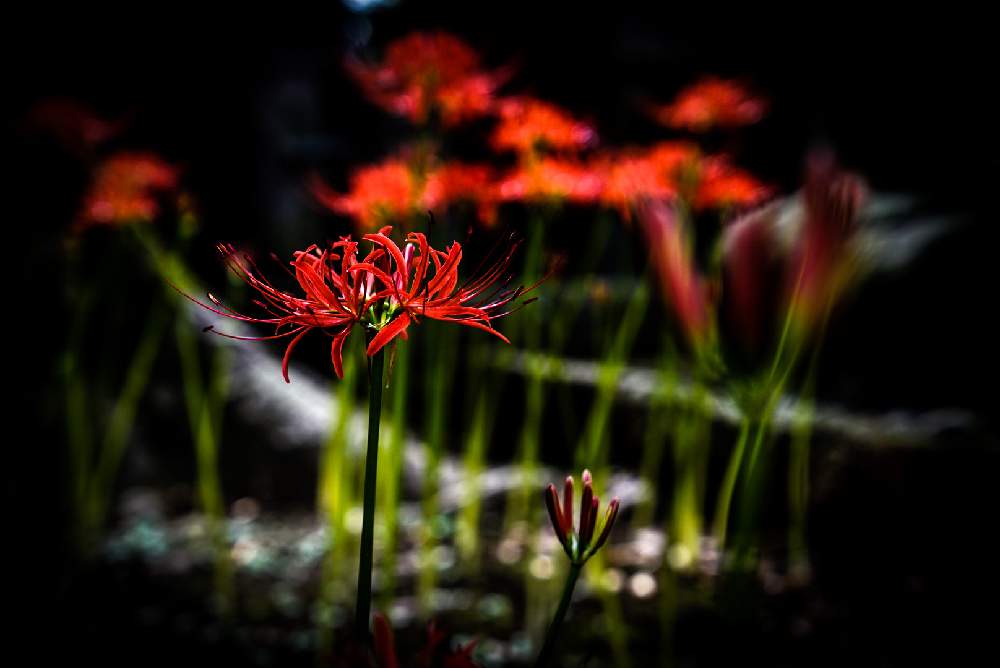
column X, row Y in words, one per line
column 394, row 190
column 429, row 72
column 548, row 179
column 384, row 292
column 580, row 544
column 710, row 103
column 528, row 125
column 125, row 189
column 654, row 173
column 720, row 185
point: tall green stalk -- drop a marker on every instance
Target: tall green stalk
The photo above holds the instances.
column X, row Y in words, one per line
column 364, row 602
column 391, row 477
column 552, row 635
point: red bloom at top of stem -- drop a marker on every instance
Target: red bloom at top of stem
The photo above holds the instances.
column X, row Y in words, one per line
column 579, row 544
column 125, row 188
column 429, row 72
column 710, row 103
column 721, row 185
column 384, row 292
column 394, row 191
column 552, row 179
column 529, row 126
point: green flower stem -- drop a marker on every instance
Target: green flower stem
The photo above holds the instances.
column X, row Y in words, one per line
column 375, row 383
column 393, row 470
column 728, row 485
column 115, row 442
column 552, row 635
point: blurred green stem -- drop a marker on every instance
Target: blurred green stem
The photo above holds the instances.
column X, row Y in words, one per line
column 552, row 634
column 364, row 604
column 725, row 500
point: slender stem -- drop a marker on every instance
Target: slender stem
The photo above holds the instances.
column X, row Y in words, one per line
column 725, row 501
column 375, row 382
column 545, row 655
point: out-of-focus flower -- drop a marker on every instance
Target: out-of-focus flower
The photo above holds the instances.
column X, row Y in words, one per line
column 455, row 182
column 384, row 292
column 435, row 653
column 429, row 72
column 655, row 173
column 393, row 191
column 73, row 124
column 529, row 126
column 672, row 257
column 580, row 543
column 711, row 103
column 552, row 179
column 388, row 192
column 751, row 256
column 125, row 189
column 720, row 185
column 821, row 261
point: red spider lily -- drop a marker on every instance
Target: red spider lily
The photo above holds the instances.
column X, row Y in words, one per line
column 711, row 103
column 396, row 190
column 425, row 72
column 379, row 194
column 579, row 544
column 720, row 185
column 455, row 182
column 832, row 200
column 125, row 189
column 552, row 179
column 654, row 173
column 384, row 292
column 673, row 259
column 73, row 124
column 528, row 125
column 425, row 284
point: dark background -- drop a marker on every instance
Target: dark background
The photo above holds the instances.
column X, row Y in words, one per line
column 907, row 107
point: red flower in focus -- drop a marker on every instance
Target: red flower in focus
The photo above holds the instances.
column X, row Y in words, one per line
column 552, row 179
column 832, row 200
column 425, row 72
column 528, row 125
column 722, row 186
column 125, row 188
column 577, row 543
column 384, row 292
column 392, row 191
column 711, row 103
column 673, row 258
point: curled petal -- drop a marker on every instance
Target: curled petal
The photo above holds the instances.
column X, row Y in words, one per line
column 396, row 327
column 288, row 353
column 336, row 352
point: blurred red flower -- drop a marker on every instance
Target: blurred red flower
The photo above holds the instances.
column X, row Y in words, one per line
column 125, row 189
column 528, row 125
column 552, row 179
column 387, row 192
column 429, row 72
column 394, row 190
column 631, row 176
column 720, row 185
column 821, row 260
column 710, row 103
